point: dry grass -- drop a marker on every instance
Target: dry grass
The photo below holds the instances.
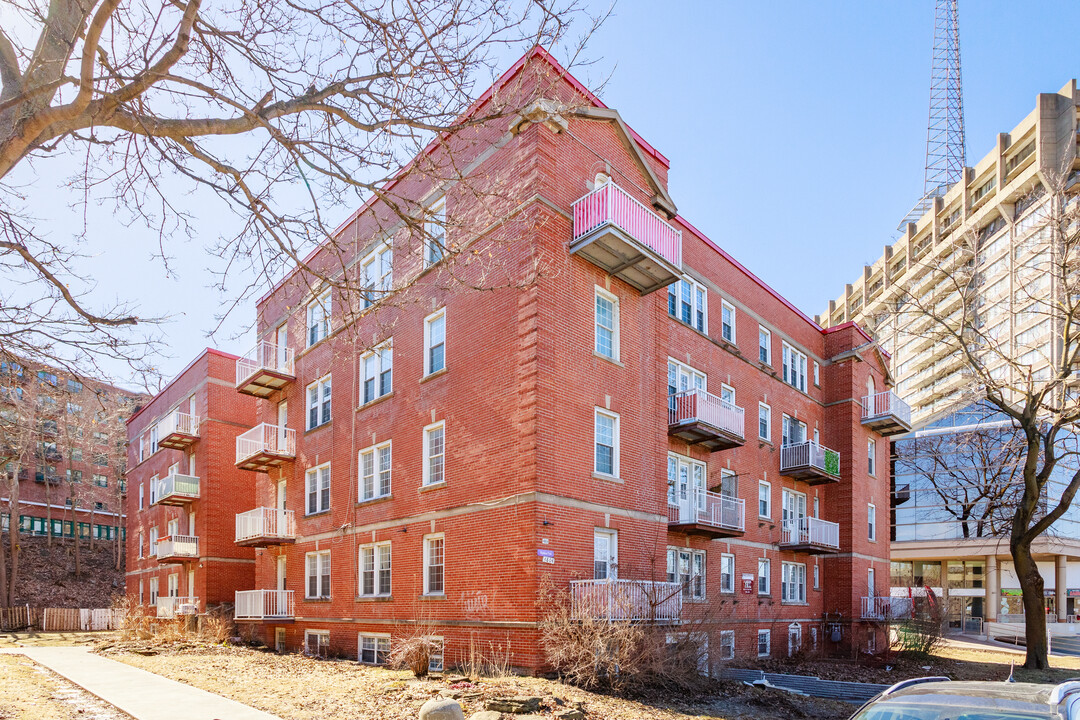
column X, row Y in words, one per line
column 37, row 638
column 29, row 692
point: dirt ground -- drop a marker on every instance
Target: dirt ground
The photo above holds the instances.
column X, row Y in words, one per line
column 30, row 692
column 33, row 638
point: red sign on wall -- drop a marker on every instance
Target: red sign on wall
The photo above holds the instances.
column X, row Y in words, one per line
column 748, row 584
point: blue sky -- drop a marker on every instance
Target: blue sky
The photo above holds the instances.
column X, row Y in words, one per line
column 796, row 133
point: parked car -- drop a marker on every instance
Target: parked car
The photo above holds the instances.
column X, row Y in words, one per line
column 938, row 698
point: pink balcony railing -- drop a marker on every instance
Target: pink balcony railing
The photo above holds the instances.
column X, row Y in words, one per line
column 700, row 406
column 609, row 203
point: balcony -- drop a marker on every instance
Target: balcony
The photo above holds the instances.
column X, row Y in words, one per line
column 707, row 513
column 263, row 527
column 811, row 535
column 171, row 607
column 701, row 418
column 264, row 605
column 887, row 608
column 174, row 489
column 634, row 600
column 265, row 446
column 178, row 430
column 886, row 413
column 265, row 369
column 617, row 233
column 810, row 461
column 174, row 549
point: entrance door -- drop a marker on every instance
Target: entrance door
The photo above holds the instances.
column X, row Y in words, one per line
column 688, row 487
column 282, row 422
column 793, row 512
column 191, row 583
column 174, row 585
column 281, row 572
column 281, row 340
column 605, row 555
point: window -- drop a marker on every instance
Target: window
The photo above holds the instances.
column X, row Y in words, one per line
column 74, row 386
column 727, row 573
column 793, row 582
column 871, row 589
column 764, row 643
column 142, row 498
column 153, row 439
column 375, row 570
column 606, row 440
column 317, row 642
column 434, row 580
column 764, row 342
column 74, row 408
column 607, row 324
column 376, row 275
column 817, row 577
column 47, row 377
column 318, row 403
column 764, row 568
column 435, row 228
column 794, row 639
column 153, row 542
column 153, row 591
column 871, row 448
column 434, row 454
column 77, row 455
column 764, row 499
column 605, row 554
column 317, row 580
column 727, row 644
column 687, row 567
column 377, row 367
column 686, row 486
column 793, row 431
column 681, row 378
column 727, row 321
column 373, row 649
column 688, row 301
column 435, row 657
column 99, row 480
column 141, row 544
column 318, row 318
column 435, row 342
column 817, row 375
column 794, row 368
column 871, row 521
column 101, row 459
column 764, row 422
column 318, row 489
column 375, row 472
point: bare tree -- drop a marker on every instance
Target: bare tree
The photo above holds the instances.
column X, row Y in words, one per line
column 281, row 111
column 1006, row 318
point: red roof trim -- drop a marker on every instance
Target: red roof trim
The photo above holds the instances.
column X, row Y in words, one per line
column 207, row 351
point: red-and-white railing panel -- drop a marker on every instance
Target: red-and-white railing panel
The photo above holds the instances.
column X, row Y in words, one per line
column 264, row 604
column 266, row 438
column 810, row 531
column 883, row 404
column 265, row 523
column 266, row 355
column 701, row 406
column 703, row 507
column 609, row 203
column 887, row 608
column 616, row 599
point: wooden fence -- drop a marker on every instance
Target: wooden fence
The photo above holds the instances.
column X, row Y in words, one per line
column 58, row 619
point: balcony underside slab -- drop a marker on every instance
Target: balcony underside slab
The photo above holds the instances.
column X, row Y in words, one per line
column 178, row 441
column 809, row 548
column 616, row 252
column 265, row 541
column 707, row 436
column 887, row 425
column 264, row 382
column 263, row 461
column 704, row 530
column 812, row 475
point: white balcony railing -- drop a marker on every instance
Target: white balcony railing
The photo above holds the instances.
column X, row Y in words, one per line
column 265, row 523
column 609, row 203
column 266, row 439
column 178, row 546
column 180, row 423
column 887, row 608
column 700, row 406
column 702, row 507
column 174, row 486
column 616, row 599
column 170, row 607
column 264, row 604
column 809, row 454
column 268, row 356
column 884, row 404
column 810, row 531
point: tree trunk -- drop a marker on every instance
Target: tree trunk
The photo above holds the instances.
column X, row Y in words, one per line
column 78, row 563
column 48, row 511
column 13, row 538
column 12, row 527
column 1031, row 584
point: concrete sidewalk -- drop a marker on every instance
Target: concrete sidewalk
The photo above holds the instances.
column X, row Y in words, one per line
column 141, row 694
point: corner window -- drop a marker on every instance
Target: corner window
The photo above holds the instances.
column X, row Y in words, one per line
column 375, row 472
column 435, row 342
column 318, row 489
column 607, row 324
column 318, row 318
column 606, row 441
column 688, row 302
column 764, row 340
column 727, row 320
column 764, row 499
column 435, row 230
column 318, row 403
column 377, row 368
column 434, row 454
column 764, row 567
column 727, row 573
column 433, row 565
column 317, row 580
column 375, row 570
column 794, row 368
column 764, row 422
column 376, row 275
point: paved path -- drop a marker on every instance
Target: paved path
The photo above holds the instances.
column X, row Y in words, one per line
column 141, row 694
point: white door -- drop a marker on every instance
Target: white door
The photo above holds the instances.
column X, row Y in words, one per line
column 191, row 464
column 174, row 528
column 174, row 469
column 279, row 517
column 793, row 512
column 191, row 523
column 605, row 555
column 191, row 583
column 281, row 495
column 191, row 406
column 282, row 422
column 870, row 583
column 281, row 572
column 174, row 585
column 281, row 340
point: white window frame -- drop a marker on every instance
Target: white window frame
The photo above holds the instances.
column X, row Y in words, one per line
column 322, row 562
column 725, row 308
column 376, row 275
column 793, row 583
column 435, row 233
column 817, row 374
column 611, row 563
column 429, row 478
column 794, row 367
column 767, row 487
column 692, row 578
column 765, row 343
column 727, row 560
column 380, row 360
column 597, row 413
column 601, row 293
column 871, row 584
column 871, row 457
column 323, row 404
column 318, row 318
column 142, row 497
column 381, row 561
column 322, row 642
column 317, row 482
column 698, row 303
column 764, row 570
column 435, row 659
column 430, row 320
column 794, row 630
column 727, row 644
column 767, row 635
column 153, row 542
column 765, row 410
column 871, row 522
column 817, row 577
column 381, row 475
column 428, row 564
column 154, row 588
column 379, row 639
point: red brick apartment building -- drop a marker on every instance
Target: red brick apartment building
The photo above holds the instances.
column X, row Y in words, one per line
column 185, row 491
column 641, row 424
column 63, row 436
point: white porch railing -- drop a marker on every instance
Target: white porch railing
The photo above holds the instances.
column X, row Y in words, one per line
column 700, row 406
column 265, row 523
column 609, row 203
column 883, row 404
column 616, row 599
column 703, row 507
column 264, row 604
column 178, row 546
column 809, row 454
column 810, row 531
column 174, row 485
column 266, row 438
column 170, row 607
column 178, row 422
column 266, row 355
column 887, row 608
